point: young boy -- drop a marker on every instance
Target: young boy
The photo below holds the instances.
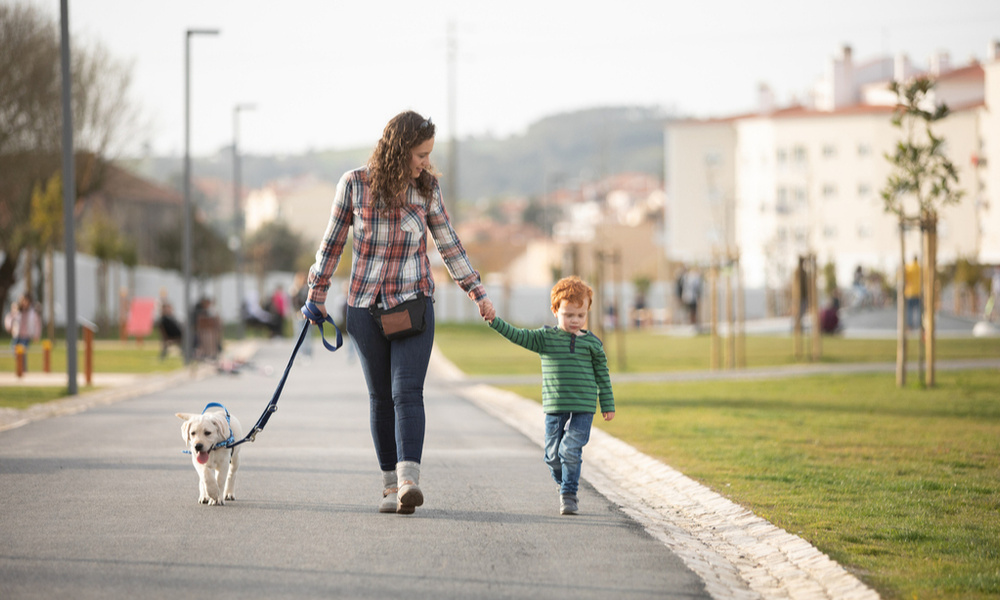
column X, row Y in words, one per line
column 574, row 379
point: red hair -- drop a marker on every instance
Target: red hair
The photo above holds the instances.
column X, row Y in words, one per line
column 572, row 289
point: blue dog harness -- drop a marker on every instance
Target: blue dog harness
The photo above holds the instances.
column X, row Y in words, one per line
column 272, row 406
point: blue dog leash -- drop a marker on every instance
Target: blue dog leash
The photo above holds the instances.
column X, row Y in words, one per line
column 273, row 405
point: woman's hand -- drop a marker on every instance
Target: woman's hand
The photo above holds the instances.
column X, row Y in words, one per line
column 315, row 313
column 486, row 310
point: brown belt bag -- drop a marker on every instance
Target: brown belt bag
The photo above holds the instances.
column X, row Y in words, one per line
column 403, row 320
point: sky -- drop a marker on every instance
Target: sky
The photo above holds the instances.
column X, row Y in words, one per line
column 328, row 74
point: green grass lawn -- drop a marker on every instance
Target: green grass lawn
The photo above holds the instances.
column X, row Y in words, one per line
column 484, row 352
column 901, row 486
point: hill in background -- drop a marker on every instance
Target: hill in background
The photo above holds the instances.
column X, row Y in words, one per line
column 558, row 151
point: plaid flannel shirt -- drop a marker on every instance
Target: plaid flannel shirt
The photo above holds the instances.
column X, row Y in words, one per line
column 390, row 251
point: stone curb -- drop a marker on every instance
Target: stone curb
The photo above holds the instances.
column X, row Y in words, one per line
column 736, row 553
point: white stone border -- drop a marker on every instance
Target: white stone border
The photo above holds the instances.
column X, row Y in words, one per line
column 736, row 553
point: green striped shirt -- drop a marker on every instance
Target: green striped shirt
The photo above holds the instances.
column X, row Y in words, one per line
column 574, row 367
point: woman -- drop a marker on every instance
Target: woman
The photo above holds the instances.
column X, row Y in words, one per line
column 391, row 203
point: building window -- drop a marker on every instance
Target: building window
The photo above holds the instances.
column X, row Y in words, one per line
column 782, row 156
column 864, row 189
column 829, row 151
column 864, row 231
column 829, row 191
column 829, row 231
column 801, row 196
column 781, row 205
column 864, row 149
column 800, row 154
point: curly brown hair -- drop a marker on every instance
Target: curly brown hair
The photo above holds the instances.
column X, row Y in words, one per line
column 389, row 164
column 574, row 290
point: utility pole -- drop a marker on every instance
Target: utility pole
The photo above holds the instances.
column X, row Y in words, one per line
column 238, row 217
column 69, row 198
column 188, row 236
column 452, row 127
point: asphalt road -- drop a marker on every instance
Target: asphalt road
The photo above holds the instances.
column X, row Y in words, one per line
column 103, row 504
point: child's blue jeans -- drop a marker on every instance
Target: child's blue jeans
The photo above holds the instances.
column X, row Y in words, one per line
column 565, row 436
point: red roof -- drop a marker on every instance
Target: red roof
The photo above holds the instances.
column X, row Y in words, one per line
column 973, row 71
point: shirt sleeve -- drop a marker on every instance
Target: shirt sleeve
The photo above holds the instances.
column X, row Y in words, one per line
column 451, row 250
column 332, row 246
column 532, row 339
column 602, row 377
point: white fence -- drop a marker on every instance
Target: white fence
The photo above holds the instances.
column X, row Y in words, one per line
column 525, row 306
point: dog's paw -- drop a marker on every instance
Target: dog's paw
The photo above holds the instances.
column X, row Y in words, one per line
column 203, row 500
column 216, row 502
column 230, row 497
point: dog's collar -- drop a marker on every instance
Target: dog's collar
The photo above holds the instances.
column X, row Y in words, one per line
column 224, row 443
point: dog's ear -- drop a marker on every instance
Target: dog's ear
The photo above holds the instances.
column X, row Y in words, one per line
column 186, row 427
column 219, row 420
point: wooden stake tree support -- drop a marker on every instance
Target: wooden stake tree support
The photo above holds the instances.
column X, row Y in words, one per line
column 732, row 354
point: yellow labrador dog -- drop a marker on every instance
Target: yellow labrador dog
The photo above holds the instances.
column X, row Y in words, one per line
column 206, row 436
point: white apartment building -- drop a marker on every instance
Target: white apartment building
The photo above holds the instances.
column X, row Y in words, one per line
column 780, row 183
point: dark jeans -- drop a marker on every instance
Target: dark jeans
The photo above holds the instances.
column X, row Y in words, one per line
column 395, row 372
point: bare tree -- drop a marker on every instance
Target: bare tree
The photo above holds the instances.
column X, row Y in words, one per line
column 30, row 121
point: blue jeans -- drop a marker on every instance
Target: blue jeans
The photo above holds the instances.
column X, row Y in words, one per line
column 395, row 372
column 565, row 436
column 913, row 313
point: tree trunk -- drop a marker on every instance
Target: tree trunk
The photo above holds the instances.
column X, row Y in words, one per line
column 816, row 352
column 715, row 348
column 930, row 297
column 730, row 317
column 901, row 310
column 797, row 309
column 741, row 319
column 28, row 283
column 50, row 295
column 102, row 295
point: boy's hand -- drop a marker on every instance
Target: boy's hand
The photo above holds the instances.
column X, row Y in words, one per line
column 608, row 415
column 486, row 310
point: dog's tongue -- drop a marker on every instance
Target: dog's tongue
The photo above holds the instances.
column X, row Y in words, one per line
column 202, row 458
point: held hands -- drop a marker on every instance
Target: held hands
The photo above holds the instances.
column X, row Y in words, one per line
column 486, row 310
column 314, row 313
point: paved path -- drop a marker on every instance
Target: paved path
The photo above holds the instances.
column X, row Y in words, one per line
column 100, row 503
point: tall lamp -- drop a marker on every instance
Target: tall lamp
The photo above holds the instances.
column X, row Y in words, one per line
column 189, row 330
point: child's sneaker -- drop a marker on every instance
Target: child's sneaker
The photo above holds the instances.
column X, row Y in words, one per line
column 568, row 504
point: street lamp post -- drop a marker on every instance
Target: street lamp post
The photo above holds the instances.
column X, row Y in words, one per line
column 189, row 331
column 238, row 215
column 69, row 196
